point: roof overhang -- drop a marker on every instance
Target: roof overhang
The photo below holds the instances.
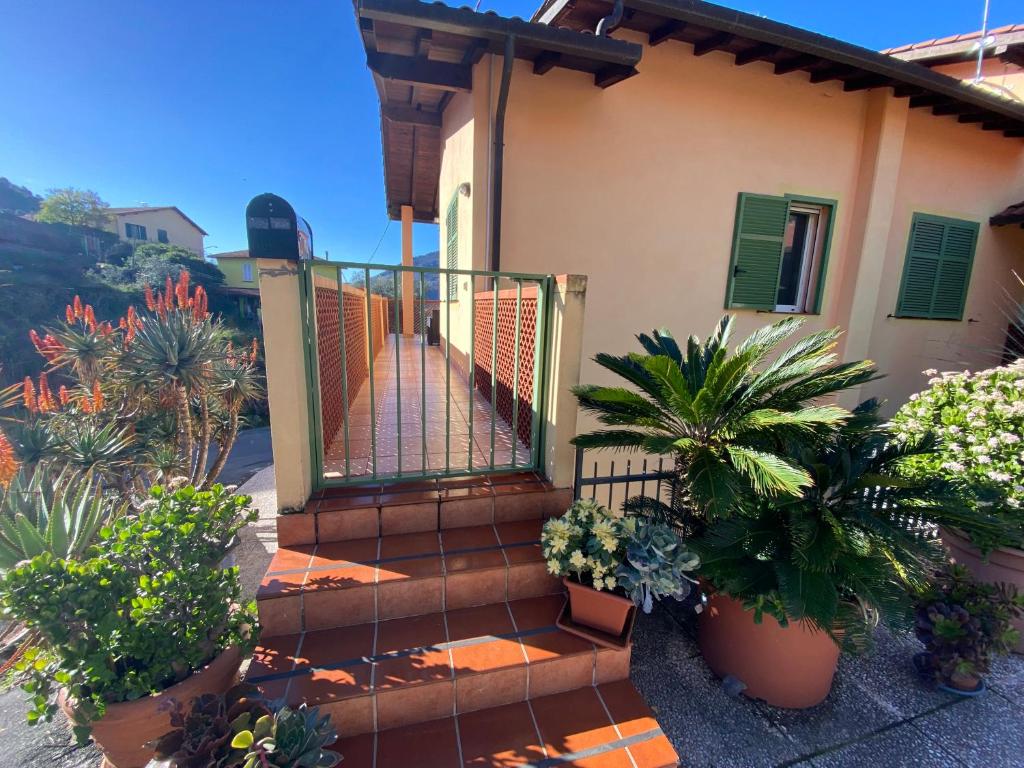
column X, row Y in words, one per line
column 1012, row 215
column 421, row 54
column 708, row 27
column 1007, row 45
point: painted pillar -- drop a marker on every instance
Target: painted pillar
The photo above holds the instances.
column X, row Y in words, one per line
column 871, row 223
column 408, row 311
column 291, row 432
column 565, row 352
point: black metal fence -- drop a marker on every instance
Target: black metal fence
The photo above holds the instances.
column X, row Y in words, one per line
column 637, row 477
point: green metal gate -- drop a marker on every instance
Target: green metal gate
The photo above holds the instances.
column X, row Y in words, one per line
column 490, row 342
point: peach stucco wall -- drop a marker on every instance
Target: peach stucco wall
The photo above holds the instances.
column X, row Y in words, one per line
column 1005, row 77
column 635, row 186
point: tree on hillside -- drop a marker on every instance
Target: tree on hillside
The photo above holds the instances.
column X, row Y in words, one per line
column 77, row 207
column 152, row 263
column 16, row 199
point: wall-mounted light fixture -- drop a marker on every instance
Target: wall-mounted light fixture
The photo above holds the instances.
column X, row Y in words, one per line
column 464, row 189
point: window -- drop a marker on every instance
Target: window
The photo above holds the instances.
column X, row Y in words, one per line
column 247, row 272
column 937, row 269
column 135, row 231
column 779, row 254
column 161, row 236
column 451, row 225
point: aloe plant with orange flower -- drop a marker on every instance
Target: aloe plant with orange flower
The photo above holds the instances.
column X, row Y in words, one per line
column 134, row 402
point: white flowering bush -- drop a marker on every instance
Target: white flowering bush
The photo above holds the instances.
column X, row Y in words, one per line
column 588, row 543
column 977, row 420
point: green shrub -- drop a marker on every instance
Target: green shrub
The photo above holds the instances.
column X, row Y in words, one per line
column 977, row 420
column 144, row 609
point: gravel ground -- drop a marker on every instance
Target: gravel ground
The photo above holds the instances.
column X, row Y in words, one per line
column 878, row 714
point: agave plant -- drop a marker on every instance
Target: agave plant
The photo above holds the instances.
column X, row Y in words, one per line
column 289, row 738
column 843, row 554
column 724, row 416
column 59, row 514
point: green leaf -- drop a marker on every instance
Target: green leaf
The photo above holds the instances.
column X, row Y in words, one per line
column 713, row 484
column 242, row 740
column 768, row 473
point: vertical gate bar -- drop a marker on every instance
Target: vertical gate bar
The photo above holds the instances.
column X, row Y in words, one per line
column 611, row 484
column 448, row 373
column 494, row 366
column 398, row 369
column 543, row 324
column 629, row 469
column 311, row 355
column 472, row 365
column 593, row 487
column 423, row 369
column 643, row 483
column 577, row 475
column 538, row 374
column 515, row 374
column 344, row 369
column 658, row 490
column 373, row 402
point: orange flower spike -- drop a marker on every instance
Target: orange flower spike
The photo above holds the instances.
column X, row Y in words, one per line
column 36, row 341
column 62, row 393
column 181, row 289
column 85, row 405
column 46, row 402
column 69, row 315
column 97, row 397
column 78, row 307
column 150, row 301
column 28, row 396
column 168, row 293
column 90, row 318
column 254, row 352
column 8, row 462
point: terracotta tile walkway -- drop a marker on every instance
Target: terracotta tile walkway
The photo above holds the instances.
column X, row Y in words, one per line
column 423, row 421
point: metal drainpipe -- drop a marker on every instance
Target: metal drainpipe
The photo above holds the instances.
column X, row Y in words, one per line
column 611, row 21
column 499, row 153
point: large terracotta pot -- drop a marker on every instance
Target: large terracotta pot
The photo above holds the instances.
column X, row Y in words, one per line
column 127, row 726
column 789, row 666
column 603, row 611
column 1004, row 565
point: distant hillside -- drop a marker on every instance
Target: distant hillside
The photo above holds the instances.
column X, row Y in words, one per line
column 15, row 199
column 383, row 282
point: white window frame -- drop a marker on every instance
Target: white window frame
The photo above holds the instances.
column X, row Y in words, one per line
column 810, row 259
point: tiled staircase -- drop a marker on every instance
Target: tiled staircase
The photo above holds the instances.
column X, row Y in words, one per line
column 422, row 618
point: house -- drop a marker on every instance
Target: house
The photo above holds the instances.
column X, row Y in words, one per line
column 240, row 280
column 157, row 224
column 692, row 160
column 1002, row 61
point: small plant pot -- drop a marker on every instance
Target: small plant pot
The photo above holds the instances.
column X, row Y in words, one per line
column 128, row 727
column 603, row 611
column 963, row 685
column 789, row 666
column 1004, row 565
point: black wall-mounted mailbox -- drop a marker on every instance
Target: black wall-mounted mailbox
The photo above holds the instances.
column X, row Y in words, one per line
column 276, row 231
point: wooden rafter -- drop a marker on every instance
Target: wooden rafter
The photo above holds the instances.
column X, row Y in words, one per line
column 665, row 31
column 715, row 42
column 756, row 53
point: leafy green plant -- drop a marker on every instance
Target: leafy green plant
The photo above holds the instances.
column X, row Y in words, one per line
column 43, row 512
column 290, row 738
column 655, row 566
column 841, row 554
column 977, row 420
column 725, row 416
column 963, row 623
column 609, row 551
column 148, row 606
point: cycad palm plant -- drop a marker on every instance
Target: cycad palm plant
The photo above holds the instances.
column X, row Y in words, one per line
column 724, row 416
column 843, row 554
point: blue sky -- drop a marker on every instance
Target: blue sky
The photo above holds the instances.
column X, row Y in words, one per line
column 204, row 104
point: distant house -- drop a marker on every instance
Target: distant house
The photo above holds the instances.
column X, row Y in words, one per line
column 241, row 280
column 157, row 224
column 1002, row 64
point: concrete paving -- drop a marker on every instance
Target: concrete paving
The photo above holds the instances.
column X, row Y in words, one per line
column 878, row 714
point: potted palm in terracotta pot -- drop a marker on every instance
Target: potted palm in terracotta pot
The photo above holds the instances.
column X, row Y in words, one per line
column 978, row 422
column 610, row 562
column 144, row 616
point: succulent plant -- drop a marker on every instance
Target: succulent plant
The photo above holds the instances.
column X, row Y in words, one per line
column 962, row 623
column 289, row 738
column 655, row 566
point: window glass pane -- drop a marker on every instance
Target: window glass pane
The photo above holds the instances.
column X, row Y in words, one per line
column 161, row 235
column 247, row 272
column 794, row 247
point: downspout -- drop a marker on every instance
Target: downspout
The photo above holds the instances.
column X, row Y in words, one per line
column 499, row 152
column 611, row 21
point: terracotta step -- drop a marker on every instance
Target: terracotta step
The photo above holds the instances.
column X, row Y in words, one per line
column 370, row 510
column 310, row 587
column 387, row 674
column 605, row 726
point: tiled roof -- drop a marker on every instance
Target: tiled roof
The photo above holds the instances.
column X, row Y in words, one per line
column 966, row 37
column 151, row 209
column 231, row 255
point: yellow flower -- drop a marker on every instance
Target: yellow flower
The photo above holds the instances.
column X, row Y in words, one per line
column 577, row 559
column 554, row 567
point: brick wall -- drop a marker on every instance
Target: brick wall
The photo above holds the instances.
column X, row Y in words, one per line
column 484, row 313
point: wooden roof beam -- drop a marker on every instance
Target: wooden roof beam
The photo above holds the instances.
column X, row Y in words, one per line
column 715, row 42
column 545, row 62
column 411, row 115
column 1015, row 133
column 834, row 72
column 972, row 117
column 665, row 32
column 756, row 53
column 928, row 100
column 793, row 63
column 1000, row 125
column 612, row 74
column 906, row 91
column 949, row 109
column 414, row 71
column 863, row 83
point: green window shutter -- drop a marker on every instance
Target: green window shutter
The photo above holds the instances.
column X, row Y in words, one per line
column 451, row 225
column 937, row 270
column 757, row 251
